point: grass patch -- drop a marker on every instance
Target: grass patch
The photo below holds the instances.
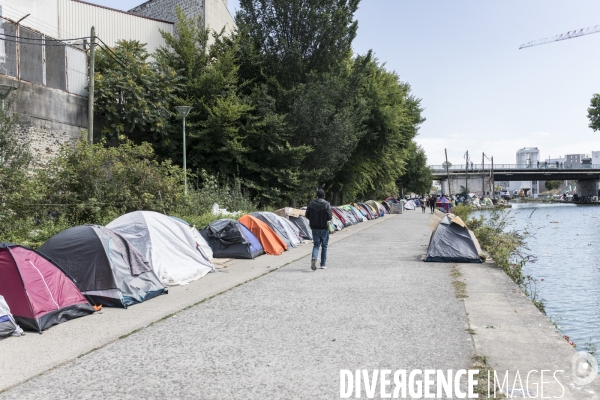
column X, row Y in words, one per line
column 480, row 362
column 460, row 287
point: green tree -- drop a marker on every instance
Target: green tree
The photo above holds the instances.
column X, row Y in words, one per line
column 392, row 120
column 295, row 38
column 417, row 177
column 132, row 95
column 551, row 185
column 594, row 112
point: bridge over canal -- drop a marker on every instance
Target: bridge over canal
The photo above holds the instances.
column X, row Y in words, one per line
column 480, row 177
column 519, row 172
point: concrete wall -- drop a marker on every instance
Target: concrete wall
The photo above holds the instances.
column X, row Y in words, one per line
column 165, row 9
column 474, row 184
column 584, row 188
column 64, row 19
column 48, row 117
column 215, row 13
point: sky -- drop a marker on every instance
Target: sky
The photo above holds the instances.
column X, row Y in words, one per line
column 479, row 91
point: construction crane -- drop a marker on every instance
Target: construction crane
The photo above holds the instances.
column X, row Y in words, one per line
column 564, row 36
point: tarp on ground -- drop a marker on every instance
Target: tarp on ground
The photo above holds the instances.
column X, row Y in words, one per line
column 174, row 251
column 8, row 325
column 453, row 242
column 108, row 269
column 272, row 243
column 229, row 238
column 38, row 293
column 303, row 225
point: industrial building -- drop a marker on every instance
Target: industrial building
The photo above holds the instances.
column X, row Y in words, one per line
column 49, row 72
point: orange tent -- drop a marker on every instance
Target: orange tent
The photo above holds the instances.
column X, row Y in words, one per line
column 268, row 239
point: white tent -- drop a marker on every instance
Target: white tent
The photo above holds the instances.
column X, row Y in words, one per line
column 410, row 205
column 177, row 252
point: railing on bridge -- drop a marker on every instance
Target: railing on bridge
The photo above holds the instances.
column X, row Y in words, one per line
column 499, row 167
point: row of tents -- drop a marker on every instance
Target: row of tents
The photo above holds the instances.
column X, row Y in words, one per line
column 137, row 257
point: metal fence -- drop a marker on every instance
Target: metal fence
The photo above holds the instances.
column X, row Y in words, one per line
column 31, row 56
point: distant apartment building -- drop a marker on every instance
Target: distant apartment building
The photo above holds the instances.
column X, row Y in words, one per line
column 527, row 157
column 596, row 157
column 575, row 159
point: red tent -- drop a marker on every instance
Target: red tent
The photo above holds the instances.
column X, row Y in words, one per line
column 37, row 291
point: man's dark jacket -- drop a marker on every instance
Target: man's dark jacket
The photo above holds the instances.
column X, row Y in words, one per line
column 318, row 213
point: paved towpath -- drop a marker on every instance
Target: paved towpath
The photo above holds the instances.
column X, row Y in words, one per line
column 288, row 334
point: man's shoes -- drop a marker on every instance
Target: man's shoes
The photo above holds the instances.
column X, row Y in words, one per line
column 322, row 267
column 313, row 264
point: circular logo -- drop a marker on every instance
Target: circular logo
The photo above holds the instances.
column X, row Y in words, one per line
column 585, row 368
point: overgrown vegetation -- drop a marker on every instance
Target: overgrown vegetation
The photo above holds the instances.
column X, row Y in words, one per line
column 506, row 246
column 93, row 184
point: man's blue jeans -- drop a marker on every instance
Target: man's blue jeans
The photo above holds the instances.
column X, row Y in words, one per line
column 321, row 239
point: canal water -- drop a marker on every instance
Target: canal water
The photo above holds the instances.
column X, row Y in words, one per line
column 566, row 240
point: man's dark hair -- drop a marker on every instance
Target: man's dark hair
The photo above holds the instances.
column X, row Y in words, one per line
column 321, row 194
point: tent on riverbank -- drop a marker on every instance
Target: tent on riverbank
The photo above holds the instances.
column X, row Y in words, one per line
column 38, row 293
column 270, row 241
column 452, row 241
column 108, row 269
column 229, row 238
column 175, row 253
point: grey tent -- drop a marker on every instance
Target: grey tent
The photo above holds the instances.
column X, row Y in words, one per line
column 452, row 241
column 303, row 225
column 8, row 325
column 270, row 219
column 107, row 268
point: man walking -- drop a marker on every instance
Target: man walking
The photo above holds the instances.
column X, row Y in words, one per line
column 318, row 213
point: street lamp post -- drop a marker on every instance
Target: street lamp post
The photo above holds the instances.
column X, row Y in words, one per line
column 184, row 111
column 466, row 157
column 4, row 92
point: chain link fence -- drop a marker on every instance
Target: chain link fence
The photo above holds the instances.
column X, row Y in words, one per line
column 31, row 56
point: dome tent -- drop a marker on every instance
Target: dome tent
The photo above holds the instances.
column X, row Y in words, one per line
column 229, row 238
column 452, row 241
column 107, row 268
column 175, row 254
column 271, row 242
column 303, row 226
column 37, row 291
column 278, row 226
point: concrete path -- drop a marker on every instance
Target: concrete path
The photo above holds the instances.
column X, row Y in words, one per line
column 516, row 337
column 287, row 334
